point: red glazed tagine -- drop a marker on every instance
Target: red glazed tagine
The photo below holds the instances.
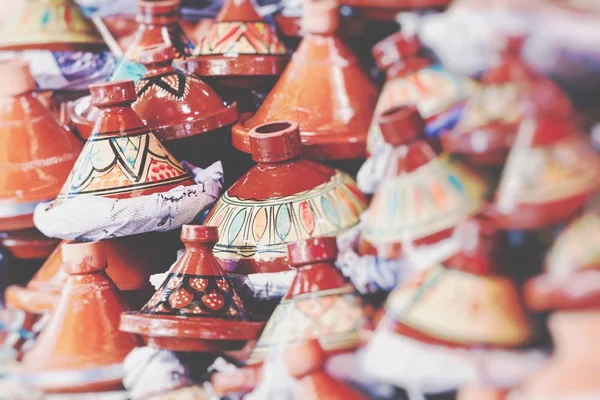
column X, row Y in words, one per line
column 183, row 112
column 241, row 50
column 282, row 199
column 323, row 89
column 388, row 9
column 196, row 308
column 57, row 25
column 421, row 197
column 491, row 120
column 81, row 348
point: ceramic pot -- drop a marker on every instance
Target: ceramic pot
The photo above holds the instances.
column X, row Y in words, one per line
column 282, row 199
column 33, row 173
column 57, row 25
column 385, row 10
column 323, row 89
column 81, row 348
column 421, row 197
column 312, row 306
column 196, row 308
column 480, row 393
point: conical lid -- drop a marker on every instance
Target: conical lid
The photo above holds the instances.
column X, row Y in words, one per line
column 319, row 304
column 492, row 116
column 551, row 172
column 81, row 348
column 282, row 199
column 463, row 301
column 39, row 152
column 196, row 308
column 122, row 158
column 48, row 25
column 323, row 89
column 421, row 197
column 175, row 105
column 240, row 44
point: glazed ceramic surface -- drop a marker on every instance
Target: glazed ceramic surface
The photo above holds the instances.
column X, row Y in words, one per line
column 282, row 199
column 196, row 308
column 320, row 304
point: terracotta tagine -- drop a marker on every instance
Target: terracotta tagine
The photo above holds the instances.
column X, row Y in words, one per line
column 196, row 308
column 421, row 197
column 323, row 89
column 319, row 304
column 491, row 120
column 282, row 199
column 57, row 25
column 412, row 79
column 241, row 50
column 551, row 172
column 186, row 115
column 81, row 348
column 388, row 9
column 305, row 361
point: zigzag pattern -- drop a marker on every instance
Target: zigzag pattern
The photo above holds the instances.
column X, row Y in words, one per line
column 241, row 38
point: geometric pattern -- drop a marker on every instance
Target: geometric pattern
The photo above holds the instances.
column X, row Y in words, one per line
column 234, row 38
column 250, row 227
column 173, row 85
column 334, row 316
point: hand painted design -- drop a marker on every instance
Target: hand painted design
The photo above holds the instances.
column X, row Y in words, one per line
column 196, row 296
column 115, row 164
column 235, row 38
column 175, row 86
column 493, row 104
column 412, row 206
column 249, row 227
column 335, row 317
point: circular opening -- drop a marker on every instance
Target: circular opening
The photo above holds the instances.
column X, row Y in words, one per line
column 273, row 128
column 395, row 111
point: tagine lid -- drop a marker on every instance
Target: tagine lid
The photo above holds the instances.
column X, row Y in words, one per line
column 282, row 199
column 34, row 173
column 78, row 351
column 319, row 304
column 324, row 89
column 485, row 307
column 395, row 49
column 57, row 25
column 122, row 158
column 176, row 105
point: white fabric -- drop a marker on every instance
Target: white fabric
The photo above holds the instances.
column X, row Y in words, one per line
column 276, row 382
column 372, row 170
column 89, row 218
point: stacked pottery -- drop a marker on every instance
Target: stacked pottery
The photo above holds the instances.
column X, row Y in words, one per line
column 324, row 90
column 81, row 348
column 421, row 197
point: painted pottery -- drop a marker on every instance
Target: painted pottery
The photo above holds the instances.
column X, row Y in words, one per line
column 196, row 308
column 122, row 158
column 185, row 114
column 421, row 197
column 57, row 25
column 412, row 79
column 493, row 114
column 305, row 361
column 319, row 304
column 388, row 9
column 241, row 50
column 31, row 173
column 282, row 199
column 81, row 348
column 485, row 307
column 551, row 172
column 323, row 89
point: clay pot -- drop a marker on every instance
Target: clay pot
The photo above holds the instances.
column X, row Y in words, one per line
column 480, row 393
column 323, row 89
column 311, row 307
column 421, row 197
column 34, row 173
column 282, row 199
column 386, row 10
column 485, row 307
column 196, row 308
column 491, row 120
column 186, row 115
column 412, row 79
column 28, row 244
column 81, row 347
column 122, row 158
column 240, row 51
column 57, row 25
